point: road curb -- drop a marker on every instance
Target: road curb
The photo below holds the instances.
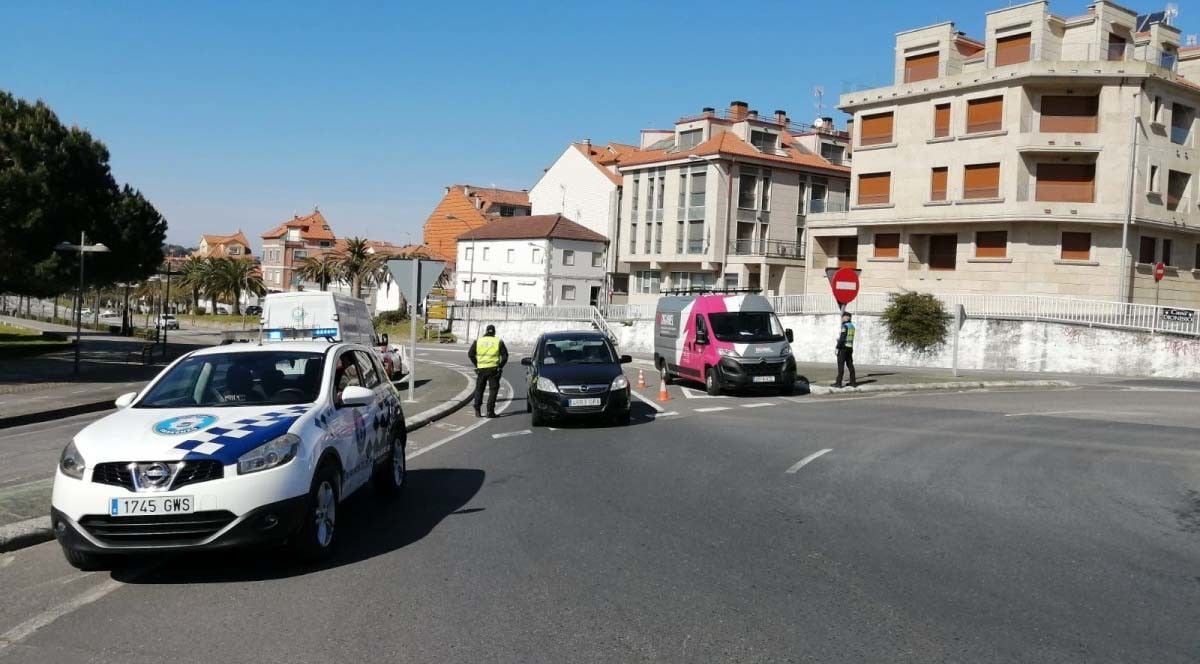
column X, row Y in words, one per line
column 25, row 533
column 57, row 413
column 456, row 402
column 821, row 390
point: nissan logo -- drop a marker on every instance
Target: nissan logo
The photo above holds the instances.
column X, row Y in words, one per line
column 155, row 474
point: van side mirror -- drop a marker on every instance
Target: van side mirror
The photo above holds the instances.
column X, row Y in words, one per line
column 702, row 338
column 626, row 359
column 527, row 361
column 788, row 333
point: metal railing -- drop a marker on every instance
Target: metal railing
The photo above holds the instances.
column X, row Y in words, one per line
column 765, row 247
column 791, row 126
column 820, row 205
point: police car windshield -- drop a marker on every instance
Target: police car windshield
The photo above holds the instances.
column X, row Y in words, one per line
column 746, row 326
column 239, row 379
column 577, row 351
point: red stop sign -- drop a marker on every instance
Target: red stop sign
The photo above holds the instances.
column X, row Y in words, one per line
column 1160, row 271
column 845, row 285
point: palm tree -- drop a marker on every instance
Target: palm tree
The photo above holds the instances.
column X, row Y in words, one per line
column 193, row 270
column 233, row 276
column 358, row 264
column 321, row 269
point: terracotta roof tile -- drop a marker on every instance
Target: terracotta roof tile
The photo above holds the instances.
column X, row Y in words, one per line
column 602, row 158
column 493, row 196
column 728, row 144
column 542, row 226
column 312, row 227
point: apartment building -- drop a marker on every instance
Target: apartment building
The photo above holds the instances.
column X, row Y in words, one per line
column 721, row 199
column 234, row 245
column 291, row 242
column 584, row 185
column 466, row 207
column 1056, row 155
column 539, row 260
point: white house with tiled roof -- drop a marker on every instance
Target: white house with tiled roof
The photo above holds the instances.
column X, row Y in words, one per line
column 234, row 245
column 538, row 260
column 720, row 199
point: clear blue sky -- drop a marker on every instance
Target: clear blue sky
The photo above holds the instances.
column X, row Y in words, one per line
column 236, row 114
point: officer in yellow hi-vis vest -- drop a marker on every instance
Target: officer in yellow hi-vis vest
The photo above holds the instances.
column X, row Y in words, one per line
column 489, row 356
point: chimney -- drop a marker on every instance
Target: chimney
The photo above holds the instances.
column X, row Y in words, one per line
column 850, row 126
column 737, row 110
column 708, row 111
column 587, row 143
column 781, row 117
column 827, row 122
column 753, row 115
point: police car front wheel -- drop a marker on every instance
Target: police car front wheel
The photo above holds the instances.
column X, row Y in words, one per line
column 316, row 537
column 390, row 476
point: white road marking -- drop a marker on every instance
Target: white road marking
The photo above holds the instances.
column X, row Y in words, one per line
column 806, row 460
column 449, row 427
column 669, row 412
column 510, row 434
column 695, row 394
column 27, row 628
column 712, row 410
column 1076, row 412
column 648, row 402
column 506, row 401
column 757, row 405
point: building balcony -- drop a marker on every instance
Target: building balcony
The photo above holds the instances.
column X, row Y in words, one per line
column 760, row 216
column 766, row 248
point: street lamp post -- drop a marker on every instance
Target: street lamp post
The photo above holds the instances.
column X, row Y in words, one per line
column 167, row 298
column 83, row 248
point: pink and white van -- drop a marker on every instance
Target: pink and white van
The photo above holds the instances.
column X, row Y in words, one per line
column 724, row 341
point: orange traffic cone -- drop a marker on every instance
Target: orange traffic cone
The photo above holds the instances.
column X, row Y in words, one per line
column 662, row 388
column 641, row 378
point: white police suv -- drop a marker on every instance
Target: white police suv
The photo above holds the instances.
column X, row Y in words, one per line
column 229, row 446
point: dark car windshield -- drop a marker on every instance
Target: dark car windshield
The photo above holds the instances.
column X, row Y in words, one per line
column 239, row 379
column 746, row 326
column 577, row 351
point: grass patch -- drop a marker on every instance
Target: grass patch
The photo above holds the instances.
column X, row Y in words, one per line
column 398, row 333
column 21, row 342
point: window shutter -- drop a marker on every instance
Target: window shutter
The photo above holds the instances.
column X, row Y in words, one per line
column 1076, row 246
column 1066, row 183
column 874, row 188
column 921, row 67
column 943, row 251
column 876, row 129
column 847, row 252
column 941, row 120
column 1070, row 114
column 887, row 245
column 981, row 181
column 1012, row 50
column 985, row 114
column 937, row 184
column 991, row 244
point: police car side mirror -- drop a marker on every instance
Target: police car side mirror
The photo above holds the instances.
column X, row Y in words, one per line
column 527, row 361
column 125, row 400
column 357, row 395
column 383, row 339
column 790, row 337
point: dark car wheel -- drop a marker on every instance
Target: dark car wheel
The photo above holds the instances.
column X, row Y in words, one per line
column 390, row 475
column 621, row 419
column 537, row 418
column 712, row 382
column 317, row 536
column 788, row 387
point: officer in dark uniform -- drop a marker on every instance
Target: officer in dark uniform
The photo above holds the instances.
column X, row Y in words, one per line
column 845, row 351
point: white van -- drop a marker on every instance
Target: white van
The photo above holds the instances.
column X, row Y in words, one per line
column 321, row 314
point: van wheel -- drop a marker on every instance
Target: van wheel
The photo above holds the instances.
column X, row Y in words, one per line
column 537, row 419
column 788, row 387
column 712, row 385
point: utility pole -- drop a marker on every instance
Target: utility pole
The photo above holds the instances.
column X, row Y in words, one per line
column 83, row 248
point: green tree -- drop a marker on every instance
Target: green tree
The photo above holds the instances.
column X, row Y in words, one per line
column 193, row 276
column 359, row 265
column 916, row 320
column 321, row 269
column 235, row 276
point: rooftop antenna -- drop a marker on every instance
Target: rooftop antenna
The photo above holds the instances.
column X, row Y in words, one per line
column 818, row 103
column 1191, row 40
column 1170, row 13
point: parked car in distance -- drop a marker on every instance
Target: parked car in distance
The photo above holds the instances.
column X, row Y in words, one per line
column 253, row 310
column 576, row 374
column 168, row 322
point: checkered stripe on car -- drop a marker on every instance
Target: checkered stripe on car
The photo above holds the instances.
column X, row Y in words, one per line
column 226, row 442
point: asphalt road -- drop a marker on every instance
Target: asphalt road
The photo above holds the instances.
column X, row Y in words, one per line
column 1024, row 526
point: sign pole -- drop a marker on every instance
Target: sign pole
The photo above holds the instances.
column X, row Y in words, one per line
column 412, row 330
column 959, row 315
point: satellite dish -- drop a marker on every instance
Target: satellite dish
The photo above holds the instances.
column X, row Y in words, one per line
column 1172, row 11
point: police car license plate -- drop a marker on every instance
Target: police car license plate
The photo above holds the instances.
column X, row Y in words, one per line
column 156, row 505
column 575, row 403
column 764, row 379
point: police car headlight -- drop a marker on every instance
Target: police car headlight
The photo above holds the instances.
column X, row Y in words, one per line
column 71, row 463
column 546, row 385
column 269, row 455
column 619, row 383
column 727, row 352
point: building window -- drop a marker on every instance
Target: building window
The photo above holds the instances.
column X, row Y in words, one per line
column 730, row 279
column 1070, row 114
column 658, row 232
column 1076, row 246
column 699, row 181
column 568, row 293
column 510, row 255
column 1196, row 262
column 325, row 244
column 991, row 244
column 943, row 252
column 1013, row 50
column 568, row 257
column 937, row 183
column 920, row 67
column 875, row 129
column 847, row 252
column 746, row 191
column 1153, row 183
column 702, row 280
column 299, row 254
column 1168, row 256
column 985, row 115
column 486, row 251
column 633, row 237
column 941, row 120
column 1116, row 47
column 649, row 241
column 235, row 251
column 981, row 181
column 833, row 153
column 695, row 236
column 1177, row 184
column 293, row 235
column 635, row 199
column 1156, row 110
column 680, row 281
column 506, row 211
column 763, row 141
column 1066, row 183
column 1146, row 249
column 754, row 189
column 690, row 139
column 874, row 188
column 468, row 253
column 597, row 259
column 647, row 281
column 887, row 245
column 504, row 291
column 537, row 256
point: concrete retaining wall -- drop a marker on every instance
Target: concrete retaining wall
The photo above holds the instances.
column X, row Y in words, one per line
column 984, row 344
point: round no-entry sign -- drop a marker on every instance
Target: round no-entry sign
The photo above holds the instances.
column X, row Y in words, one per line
column 845, row 285
column 1160, row 271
